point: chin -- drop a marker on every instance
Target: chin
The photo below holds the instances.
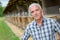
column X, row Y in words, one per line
column 37, row 18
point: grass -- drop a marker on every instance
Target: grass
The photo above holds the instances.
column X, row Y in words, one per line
column 5, row 32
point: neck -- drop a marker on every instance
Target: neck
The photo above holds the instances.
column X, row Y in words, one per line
column 39, row 21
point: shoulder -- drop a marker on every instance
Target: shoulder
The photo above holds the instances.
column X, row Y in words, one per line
column 30, row 25
column 50, row 20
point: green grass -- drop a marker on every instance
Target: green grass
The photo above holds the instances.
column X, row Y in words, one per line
column 5, row 32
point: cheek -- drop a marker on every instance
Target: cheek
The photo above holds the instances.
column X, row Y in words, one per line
column 32, row 15
column 40, row 13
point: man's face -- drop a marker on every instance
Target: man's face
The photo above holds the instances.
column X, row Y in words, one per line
column 36, row 12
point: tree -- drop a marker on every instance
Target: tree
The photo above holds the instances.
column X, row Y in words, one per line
column 0, row 3
column 1, row 9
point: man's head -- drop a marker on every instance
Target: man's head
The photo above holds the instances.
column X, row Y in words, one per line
column 35, row 10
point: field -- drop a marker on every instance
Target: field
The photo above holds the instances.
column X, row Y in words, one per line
column 5, row 32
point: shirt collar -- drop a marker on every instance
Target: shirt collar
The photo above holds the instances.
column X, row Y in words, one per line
column 43, row 18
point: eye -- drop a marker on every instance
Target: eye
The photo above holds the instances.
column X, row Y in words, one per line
column 32, row 11
column 37, row 9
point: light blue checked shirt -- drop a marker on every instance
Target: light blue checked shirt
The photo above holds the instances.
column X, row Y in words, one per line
column 47, row 31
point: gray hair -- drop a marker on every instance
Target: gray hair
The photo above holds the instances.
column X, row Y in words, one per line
column 34, row 4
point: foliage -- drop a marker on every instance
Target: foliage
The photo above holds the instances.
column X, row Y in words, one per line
column 1, row 9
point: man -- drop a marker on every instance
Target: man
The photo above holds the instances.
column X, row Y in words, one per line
column 40, row 28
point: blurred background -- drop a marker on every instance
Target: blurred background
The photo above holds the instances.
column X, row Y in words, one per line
column 14, row 16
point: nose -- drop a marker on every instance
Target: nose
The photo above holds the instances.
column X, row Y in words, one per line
column 35, row 12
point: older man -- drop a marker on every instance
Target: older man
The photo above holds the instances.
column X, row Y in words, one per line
column 40, row 28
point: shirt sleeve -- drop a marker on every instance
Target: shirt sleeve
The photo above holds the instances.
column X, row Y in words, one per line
column 26, row 34
column 57, row 27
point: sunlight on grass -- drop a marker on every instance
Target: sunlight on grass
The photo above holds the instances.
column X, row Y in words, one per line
column 5, row 31
column 2, row 19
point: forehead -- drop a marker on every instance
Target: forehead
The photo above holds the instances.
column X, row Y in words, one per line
column 34, row 7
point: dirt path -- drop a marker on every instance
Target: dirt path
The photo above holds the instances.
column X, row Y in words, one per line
column 18, row 32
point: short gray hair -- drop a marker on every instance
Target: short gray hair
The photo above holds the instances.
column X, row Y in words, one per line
column 33, row 4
